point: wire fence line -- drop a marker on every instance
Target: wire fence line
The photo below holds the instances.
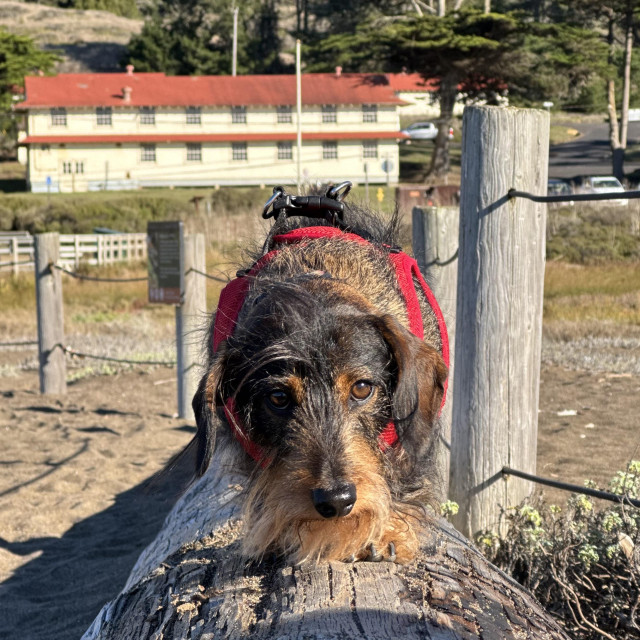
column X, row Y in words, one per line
column 19, row 343
column 16, row 263
column 574, row 197
column 574, row 488
column 80, row 354
column 81, row 276
column 206, row 275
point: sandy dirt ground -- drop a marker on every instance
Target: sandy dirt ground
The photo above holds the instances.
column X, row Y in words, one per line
column 75, row 514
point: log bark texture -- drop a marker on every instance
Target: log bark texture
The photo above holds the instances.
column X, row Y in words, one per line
column 192, row 583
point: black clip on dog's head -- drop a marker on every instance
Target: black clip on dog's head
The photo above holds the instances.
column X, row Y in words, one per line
column 328, row 207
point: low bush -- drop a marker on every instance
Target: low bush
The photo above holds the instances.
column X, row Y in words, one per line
column 581, row 562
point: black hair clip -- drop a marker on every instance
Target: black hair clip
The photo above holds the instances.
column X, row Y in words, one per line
column 329, row 207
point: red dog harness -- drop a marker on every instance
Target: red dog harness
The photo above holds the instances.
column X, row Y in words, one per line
column 233, row 295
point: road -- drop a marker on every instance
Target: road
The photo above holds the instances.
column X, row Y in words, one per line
column 590, row 154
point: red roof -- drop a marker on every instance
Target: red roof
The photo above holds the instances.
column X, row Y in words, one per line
column 156, row 89
column 211, row 137
column 411, row 82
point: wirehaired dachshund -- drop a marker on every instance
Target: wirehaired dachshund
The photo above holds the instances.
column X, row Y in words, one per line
column 326, row 374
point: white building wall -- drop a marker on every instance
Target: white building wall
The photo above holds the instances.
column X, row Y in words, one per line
column 87, row 167
column 80, row 167
column 127, row 121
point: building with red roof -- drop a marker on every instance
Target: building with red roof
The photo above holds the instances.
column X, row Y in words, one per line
column 93, row 131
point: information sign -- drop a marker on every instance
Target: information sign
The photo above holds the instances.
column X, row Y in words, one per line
column 166, row 262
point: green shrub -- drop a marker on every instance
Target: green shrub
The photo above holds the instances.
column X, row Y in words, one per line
column 581, row 562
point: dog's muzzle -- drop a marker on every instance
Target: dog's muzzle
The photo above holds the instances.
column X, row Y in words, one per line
column 338, row 501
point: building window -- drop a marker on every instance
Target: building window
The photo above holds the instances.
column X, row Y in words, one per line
column 370, row 149
column 45, row 147
column 194, row 115
column 369, row 113
column 329, row 150
column 103, row 116
column 194, row 152
column 329, row 113
column 284, row 114
column 59, row 117
column 148, row 153
column 239, row 115
column 68, row 167
column 147, row 115
column 239, row 150
column 285, row 151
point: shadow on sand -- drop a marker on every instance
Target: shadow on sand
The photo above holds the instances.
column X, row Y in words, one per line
column 57, row 594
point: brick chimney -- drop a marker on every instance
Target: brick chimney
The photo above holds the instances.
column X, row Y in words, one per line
column 129, row 68
column 126, row 93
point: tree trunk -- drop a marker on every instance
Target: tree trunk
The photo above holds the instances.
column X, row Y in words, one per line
column 626, row 88
column 192, row 582
column 440, row 163
column 618, row 129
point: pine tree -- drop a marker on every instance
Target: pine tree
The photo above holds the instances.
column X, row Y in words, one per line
column 19, row 57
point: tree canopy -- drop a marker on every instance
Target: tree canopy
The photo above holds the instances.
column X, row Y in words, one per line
column 194, row 37
column 19, row 57
column 474, row 53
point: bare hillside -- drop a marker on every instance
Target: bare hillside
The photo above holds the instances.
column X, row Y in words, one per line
column 86, row 40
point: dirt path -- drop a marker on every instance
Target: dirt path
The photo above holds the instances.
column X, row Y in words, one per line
column 74, row 517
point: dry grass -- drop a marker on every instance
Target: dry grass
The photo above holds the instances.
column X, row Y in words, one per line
column 606, row 293
column 592, row 316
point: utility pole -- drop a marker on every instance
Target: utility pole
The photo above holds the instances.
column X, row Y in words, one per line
column 234, row 53
column 299, row 112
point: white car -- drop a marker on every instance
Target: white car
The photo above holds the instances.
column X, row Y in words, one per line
column 605, row 184
column 423, row 131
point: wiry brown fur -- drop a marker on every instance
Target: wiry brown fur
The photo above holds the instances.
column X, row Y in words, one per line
column 320, row 319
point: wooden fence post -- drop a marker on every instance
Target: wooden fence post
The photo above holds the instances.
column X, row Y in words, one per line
column 53, row 366
column 499, row 311
column 435, row 246
column 189, row 317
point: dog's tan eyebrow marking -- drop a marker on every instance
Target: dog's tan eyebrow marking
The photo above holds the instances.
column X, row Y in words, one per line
column 295, row 384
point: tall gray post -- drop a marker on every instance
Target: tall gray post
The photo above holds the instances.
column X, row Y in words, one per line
column 52, row 364
column 189, row 320
column 499, row 311
column 435, row 246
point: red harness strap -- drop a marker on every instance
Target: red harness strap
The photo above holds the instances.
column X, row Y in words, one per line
column 233, row 295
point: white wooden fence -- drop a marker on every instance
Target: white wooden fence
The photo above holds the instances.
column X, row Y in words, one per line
column 17, row 253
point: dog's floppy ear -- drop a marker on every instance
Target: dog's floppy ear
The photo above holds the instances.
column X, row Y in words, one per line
column 204, row 402
column 419, row 386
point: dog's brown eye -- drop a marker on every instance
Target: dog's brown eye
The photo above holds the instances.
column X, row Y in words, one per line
column 361, row 390
column 279, row 399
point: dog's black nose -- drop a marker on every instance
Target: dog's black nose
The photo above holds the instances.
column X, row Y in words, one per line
column 334, row 502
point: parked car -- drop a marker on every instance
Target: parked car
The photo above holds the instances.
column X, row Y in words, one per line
column 557, row 187
column 605, row 184
column 423, row 131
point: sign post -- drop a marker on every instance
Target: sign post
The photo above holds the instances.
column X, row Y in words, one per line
column 165, row 249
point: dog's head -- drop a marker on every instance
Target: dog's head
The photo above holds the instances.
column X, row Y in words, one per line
column 316, row 375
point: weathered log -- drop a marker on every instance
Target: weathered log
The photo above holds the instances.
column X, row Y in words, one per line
column 192, row 582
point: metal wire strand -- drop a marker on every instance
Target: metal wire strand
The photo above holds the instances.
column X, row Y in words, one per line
column 574, row 488
column 79, row 276
column 80, row 354
column 574, row 197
